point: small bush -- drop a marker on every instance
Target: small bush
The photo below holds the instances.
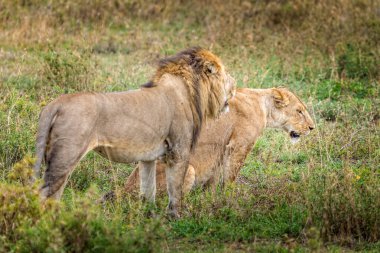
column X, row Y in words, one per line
column 345, row 204
column 70, row 70
column 329, row 89
column 329, row 110
column 358, row 63
column 360, row 89
column 18, row 118
column 28, row 225
column 19, row 202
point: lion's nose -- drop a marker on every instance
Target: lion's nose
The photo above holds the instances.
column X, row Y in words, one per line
column 311, row 127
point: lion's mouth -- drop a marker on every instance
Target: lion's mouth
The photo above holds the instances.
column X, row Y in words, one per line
column 294, row 136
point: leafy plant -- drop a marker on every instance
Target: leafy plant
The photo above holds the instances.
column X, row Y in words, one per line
column 354, row 62
column 70, row 70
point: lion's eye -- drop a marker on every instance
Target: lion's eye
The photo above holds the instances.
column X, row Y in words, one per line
column 299, row 111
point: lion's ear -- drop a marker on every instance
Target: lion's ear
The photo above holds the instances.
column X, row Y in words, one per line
column 211, row 68
column 280, row 98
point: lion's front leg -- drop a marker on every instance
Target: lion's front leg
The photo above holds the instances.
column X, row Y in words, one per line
column 147, row 172
column 174, row 179
column 234, row 158
column 224, row 168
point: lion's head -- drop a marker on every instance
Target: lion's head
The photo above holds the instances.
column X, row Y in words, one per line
column 288, row 112
column 209, row 85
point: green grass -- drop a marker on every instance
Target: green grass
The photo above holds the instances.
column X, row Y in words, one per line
column 319, row 195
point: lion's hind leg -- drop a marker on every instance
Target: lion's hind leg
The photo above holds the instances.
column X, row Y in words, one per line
column 61, row 160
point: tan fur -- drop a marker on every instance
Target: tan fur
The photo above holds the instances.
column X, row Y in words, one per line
column 160, row 120
column 224, row 143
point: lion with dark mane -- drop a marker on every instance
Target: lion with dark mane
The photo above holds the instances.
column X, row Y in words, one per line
column 162, row 119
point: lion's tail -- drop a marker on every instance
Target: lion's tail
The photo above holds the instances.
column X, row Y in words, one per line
column 44, row 126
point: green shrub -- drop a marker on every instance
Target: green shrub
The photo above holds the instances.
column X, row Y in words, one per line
column 29, row 225
column 19, row 202
column 18, row 119
column 69, row 69
column 329, row 89
column 345, row 204
column 362, row 89
column 358, row 63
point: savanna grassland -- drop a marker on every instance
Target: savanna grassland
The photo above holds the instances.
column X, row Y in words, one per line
column 320, row 195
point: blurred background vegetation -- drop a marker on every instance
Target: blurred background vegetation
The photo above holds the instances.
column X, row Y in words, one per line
column 322, row 194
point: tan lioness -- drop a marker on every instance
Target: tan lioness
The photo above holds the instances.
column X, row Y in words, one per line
column 225, row 143
column 162, row 119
